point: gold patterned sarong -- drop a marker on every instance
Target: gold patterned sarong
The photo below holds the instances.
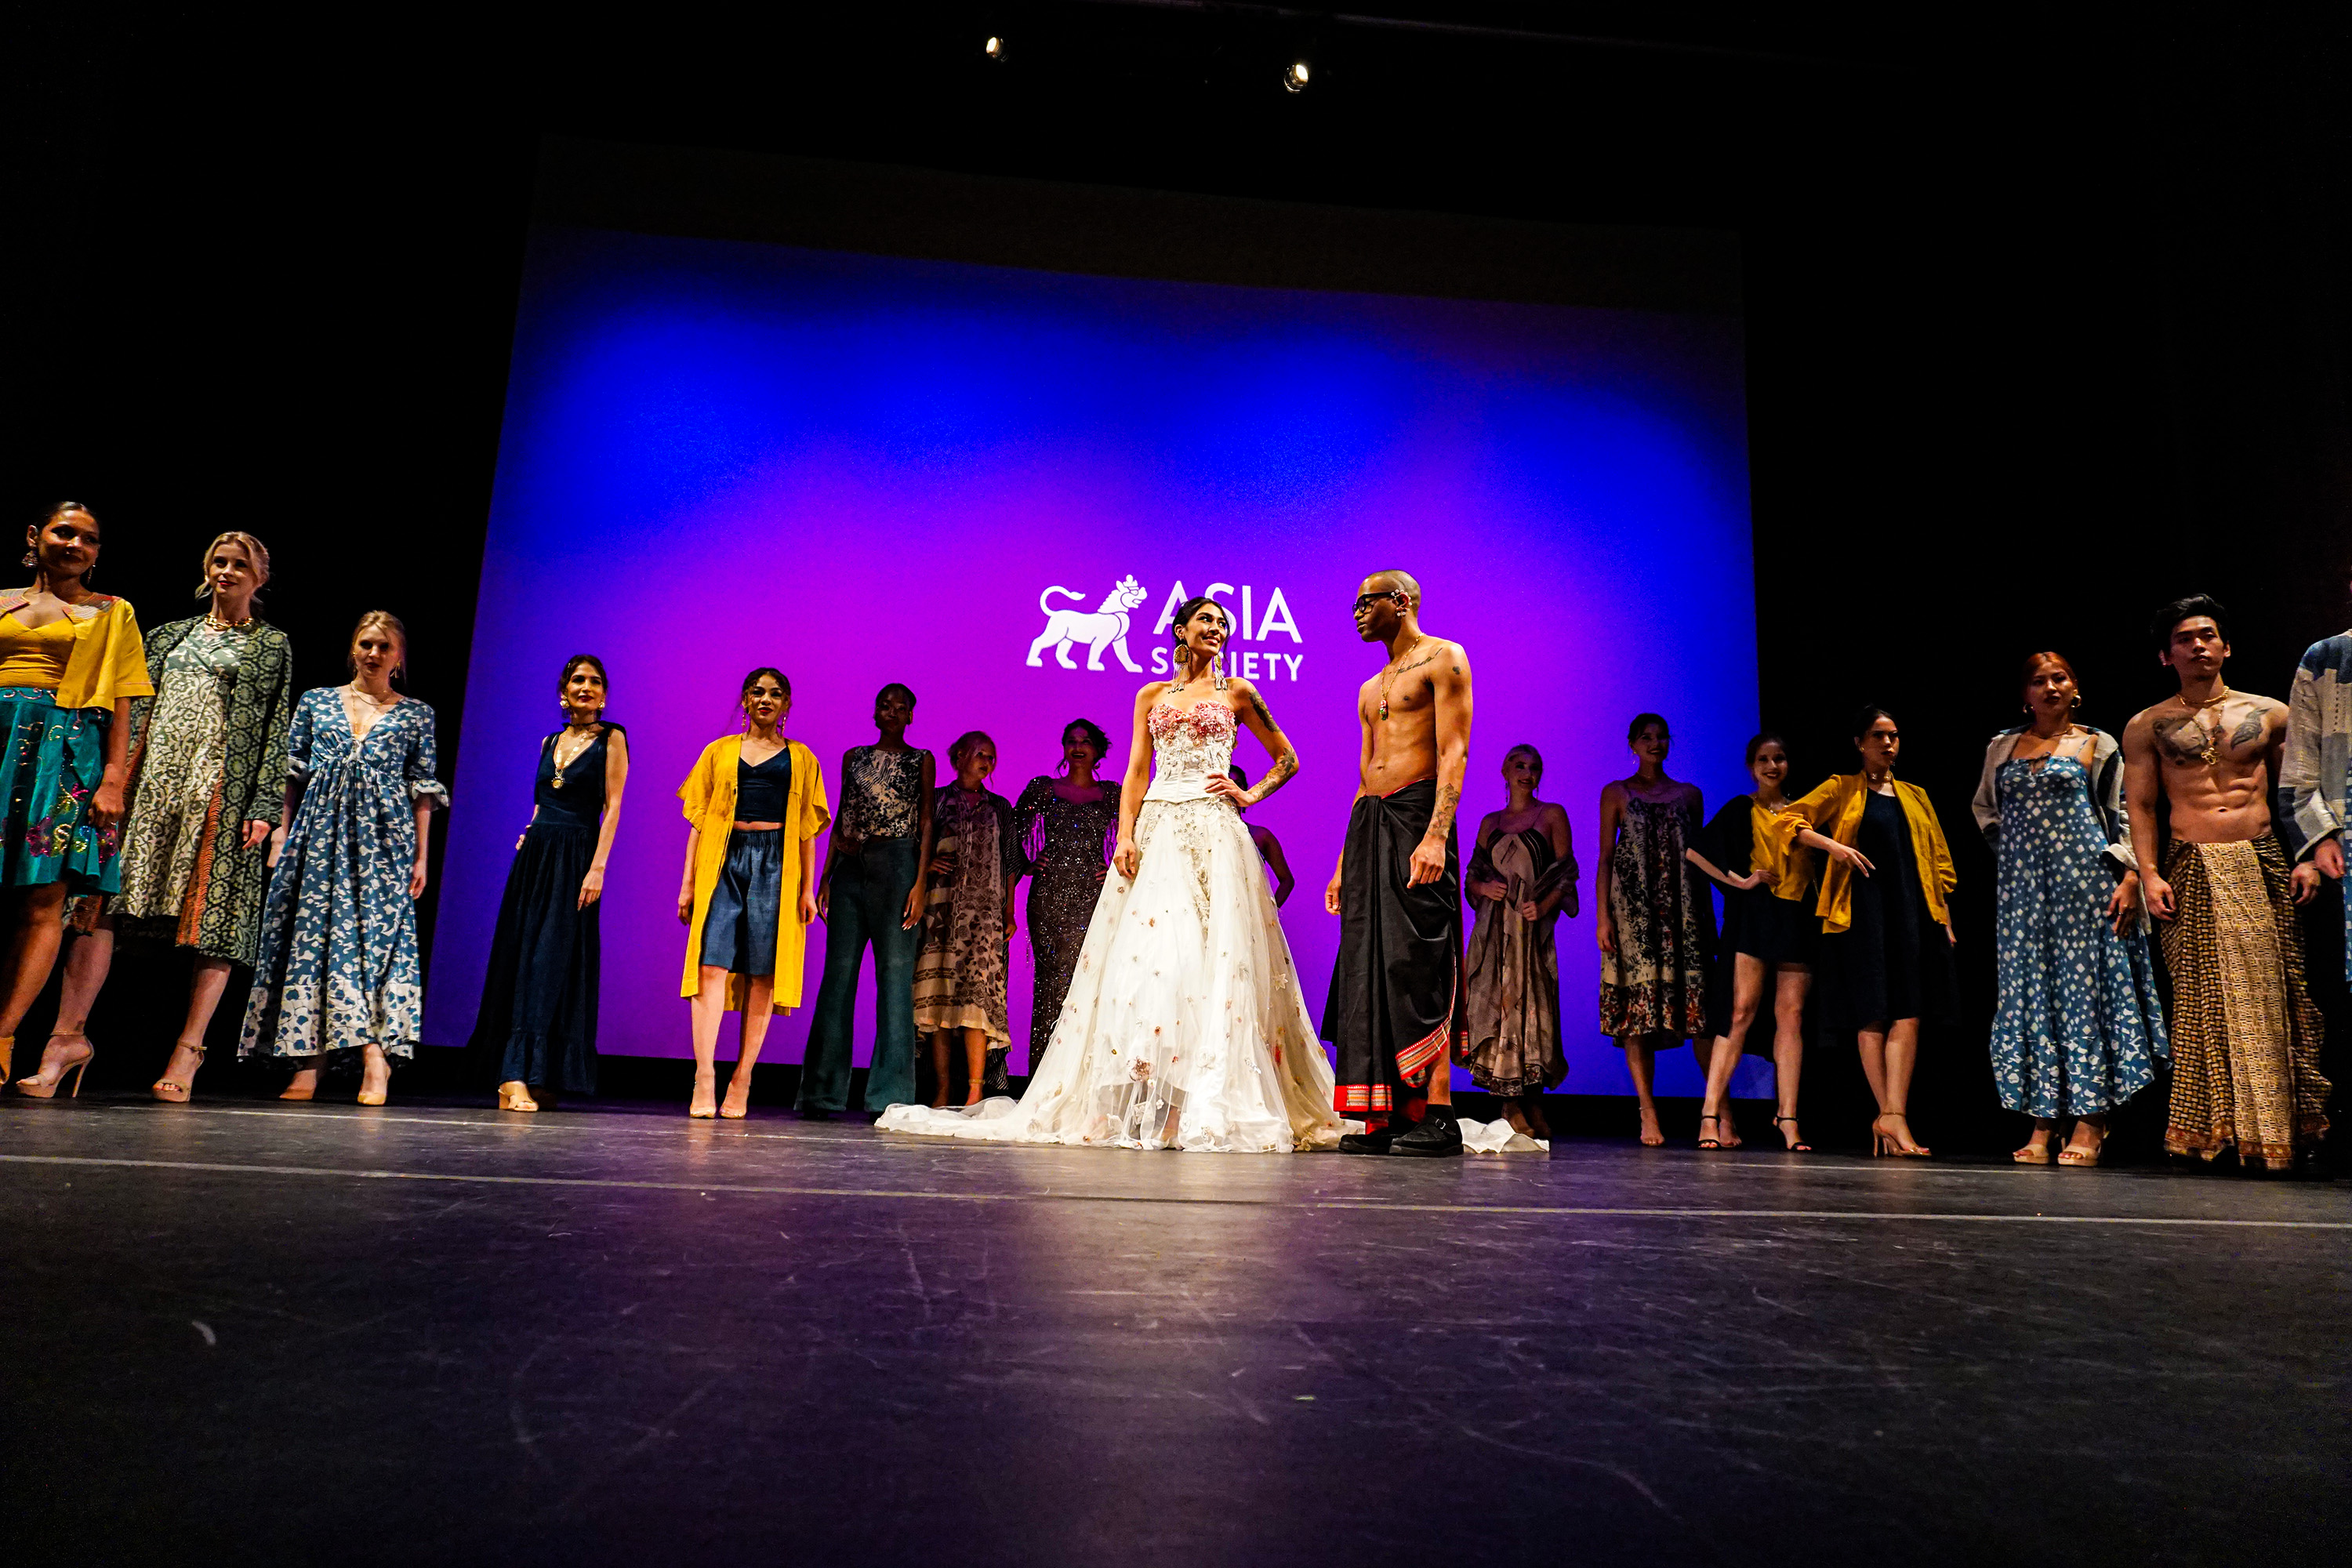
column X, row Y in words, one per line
column 2245, row 1035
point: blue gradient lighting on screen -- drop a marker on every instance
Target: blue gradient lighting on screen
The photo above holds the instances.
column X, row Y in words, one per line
column 864, row 469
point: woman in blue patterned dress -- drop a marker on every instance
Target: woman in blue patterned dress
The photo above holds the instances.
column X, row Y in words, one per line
column 2077, row 1029
column 338, row 972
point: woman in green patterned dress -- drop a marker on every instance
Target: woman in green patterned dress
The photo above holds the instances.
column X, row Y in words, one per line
column 195, row 849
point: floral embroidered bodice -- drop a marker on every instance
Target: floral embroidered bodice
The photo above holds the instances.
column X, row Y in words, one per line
column 1193, row 744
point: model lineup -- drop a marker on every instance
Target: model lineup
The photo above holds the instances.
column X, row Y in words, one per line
column 172, row 791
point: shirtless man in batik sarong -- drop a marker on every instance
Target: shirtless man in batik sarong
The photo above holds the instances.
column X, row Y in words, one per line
column 2245, row 1035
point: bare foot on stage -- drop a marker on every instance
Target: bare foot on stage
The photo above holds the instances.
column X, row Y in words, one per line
column 1534, row 1104
column 1651, row 1137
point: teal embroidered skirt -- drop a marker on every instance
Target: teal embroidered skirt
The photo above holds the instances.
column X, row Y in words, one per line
column 54, row 762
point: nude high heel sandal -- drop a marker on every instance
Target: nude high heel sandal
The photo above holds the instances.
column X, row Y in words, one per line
column 1903, row 1146
column 171, row 1091
column 515, row 1095
column 35, row 1088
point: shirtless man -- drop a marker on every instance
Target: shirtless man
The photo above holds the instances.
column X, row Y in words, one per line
column 1398, row 1009
column 2245, row 1038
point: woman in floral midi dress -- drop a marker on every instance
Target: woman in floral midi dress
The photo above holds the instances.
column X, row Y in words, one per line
column 339, row 976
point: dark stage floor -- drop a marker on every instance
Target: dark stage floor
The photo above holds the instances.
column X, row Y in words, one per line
column 263, row 1334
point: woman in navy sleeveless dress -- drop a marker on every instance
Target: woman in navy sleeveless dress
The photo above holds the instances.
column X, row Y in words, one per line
column 537, row 1026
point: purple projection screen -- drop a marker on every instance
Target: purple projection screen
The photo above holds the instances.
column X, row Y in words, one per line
column 718, row 455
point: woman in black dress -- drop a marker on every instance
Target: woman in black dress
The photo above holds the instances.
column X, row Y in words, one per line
column 537, row 1026
column 1886, row 918
column 1770, row 934
column 1065, row 823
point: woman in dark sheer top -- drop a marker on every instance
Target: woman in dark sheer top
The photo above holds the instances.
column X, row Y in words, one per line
column 1066, row 821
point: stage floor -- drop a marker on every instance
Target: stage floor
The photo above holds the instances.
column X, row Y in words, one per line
column 269, row 1333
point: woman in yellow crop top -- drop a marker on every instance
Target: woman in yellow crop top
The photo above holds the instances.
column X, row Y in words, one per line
column 71, row 661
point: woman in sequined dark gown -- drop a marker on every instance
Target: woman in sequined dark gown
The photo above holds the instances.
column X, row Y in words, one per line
column 1065, row 823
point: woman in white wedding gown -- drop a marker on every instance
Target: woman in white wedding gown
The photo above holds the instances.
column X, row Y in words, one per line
column 1185, row 1027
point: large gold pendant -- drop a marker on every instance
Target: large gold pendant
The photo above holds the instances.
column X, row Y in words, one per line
column 557, row 783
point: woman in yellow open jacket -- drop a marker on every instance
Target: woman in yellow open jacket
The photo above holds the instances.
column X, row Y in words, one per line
column 756, row 802
column 1886, row 933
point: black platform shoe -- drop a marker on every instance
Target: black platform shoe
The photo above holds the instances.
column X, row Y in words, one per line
column 1438, row 1135
column 1376, row 1142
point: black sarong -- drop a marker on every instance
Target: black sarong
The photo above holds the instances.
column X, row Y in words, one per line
column 1398, row 1001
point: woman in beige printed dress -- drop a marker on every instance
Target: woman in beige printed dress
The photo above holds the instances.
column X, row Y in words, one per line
column 1521, row 880
column 968, row 926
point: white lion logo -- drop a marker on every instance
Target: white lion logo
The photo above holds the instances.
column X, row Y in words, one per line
column 1104, row 627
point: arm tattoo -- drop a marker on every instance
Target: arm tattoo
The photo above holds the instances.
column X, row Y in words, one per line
column 1257, row 706
column 1277, row 773
column 1440, row 819
column 2250, row 727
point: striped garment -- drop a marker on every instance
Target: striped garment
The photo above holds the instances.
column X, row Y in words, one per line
column 2315, row 773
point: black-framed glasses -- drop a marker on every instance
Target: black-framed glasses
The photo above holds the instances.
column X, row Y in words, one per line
column 1365, row 601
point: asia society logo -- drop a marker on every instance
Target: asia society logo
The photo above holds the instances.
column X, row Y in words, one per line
column 1106, row 627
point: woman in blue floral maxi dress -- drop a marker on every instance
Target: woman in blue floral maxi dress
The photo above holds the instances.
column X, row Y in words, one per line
column 339, row 973
column 2077, row 1030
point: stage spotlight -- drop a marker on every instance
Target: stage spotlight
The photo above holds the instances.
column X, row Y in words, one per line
column 994, row 50
column 1294, row 78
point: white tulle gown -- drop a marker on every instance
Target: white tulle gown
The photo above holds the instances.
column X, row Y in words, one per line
column 1185, row 1027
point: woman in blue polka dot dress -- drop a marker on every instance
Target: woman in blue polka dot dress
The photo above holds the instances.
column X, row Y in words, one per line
column 2077, row 1030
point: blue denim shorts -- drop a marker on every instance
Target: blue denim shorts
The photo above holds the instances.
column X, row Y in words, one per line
column 738, row 931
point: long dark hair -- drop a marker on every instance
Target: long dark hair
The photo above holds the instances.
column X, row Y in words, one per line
column 1192, row 607
column 743, row 696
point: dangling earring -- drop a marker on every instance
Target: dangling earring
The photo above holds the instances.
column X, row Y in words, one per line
column 1176, row 656
column 1217, row 670
column 33, row 560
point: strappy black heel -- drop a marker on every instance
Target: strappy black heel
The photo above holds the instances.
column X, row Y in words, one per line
column 1706, row 1142
column 1797, row 1148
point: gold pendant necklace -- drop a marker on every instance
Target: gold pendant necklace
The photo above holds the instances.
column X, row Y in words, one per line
column 1387, row 675
column 563, row 761
column 2210, row 749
